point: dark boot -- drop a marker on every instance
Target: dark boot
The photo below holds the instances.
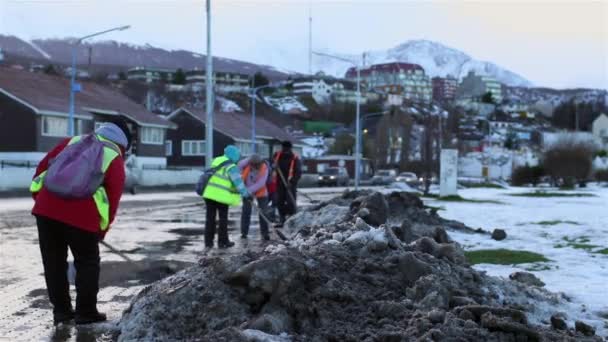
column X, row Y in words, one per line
column 63, row 317
column 90, row 318
column 226, row 245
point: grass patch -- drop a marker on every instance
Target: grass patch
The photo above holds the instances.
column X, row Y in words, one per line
column 581, row 243
column 555, row 222
column 503, row 257
column 584, row 246
column 458, row 198
column 551, row 194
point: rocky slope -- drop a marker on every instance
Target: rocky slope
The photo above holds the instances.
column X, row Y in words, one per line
column 361, row 267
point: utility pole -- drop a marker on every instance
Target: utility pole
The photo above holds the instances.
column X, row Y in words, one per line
column 210, row 99
column 309, row 38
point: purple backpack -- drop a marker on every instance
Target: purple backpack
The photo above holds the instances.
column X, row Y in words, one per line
column 77, row 171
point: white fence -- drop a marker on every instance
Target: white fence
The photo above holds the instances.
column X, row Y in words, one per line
column 19, row 178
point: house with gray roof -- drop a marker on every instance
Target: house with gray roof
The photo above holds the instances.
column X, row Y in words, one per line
column 34, row 116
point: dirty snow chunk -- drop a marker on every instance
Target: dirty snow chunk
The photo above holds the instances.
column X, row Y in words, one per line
column 329, row 215
column 274, row 249
column 374, row 237
column 260, row 336
column 526, row 278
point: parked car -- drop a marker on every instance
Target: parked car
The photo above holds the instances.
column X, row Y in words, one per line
column 383, row 177
column 336, row 176
column 408, row 178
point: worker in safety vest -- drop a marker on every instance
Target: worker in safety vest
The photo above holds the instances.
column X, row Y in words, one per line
column 254, row 171
column 225, row 188
column 78, row 222
column 288, row 172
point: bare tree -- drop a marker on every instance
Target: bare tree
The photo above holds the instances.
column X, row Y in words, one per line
column 569, row 160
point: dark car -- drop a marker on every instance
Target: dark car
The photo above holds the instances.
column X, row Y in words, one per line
column 336, row 176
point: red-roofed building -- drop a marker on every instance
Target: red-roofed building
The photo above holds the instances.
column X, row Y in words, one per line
column 444, row 89
column 407, row 79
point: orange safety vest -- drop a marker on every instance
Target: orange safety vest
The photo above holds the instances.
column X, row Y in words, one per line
column 262, row 192
column 291, row 165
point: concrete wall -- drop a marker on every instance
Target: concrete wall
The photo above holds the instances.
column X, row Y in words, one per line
column 168, row 177
column 14, row 178
column 472, row 166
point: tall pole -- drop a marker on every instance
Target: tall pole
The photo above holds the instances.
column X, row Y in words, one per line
column 72, row 84
column 358, row 128
column 73, row 76
column 309, row 39
column 210, row 100
column 253, row 95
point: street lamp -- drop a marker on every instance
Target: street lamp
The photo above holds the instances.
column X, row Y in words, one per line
column 358, row 127
column 73, row 89
column 254, row 92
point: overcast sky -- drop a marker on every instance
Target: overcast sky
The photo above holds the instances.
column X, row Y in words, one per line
column 551, row 43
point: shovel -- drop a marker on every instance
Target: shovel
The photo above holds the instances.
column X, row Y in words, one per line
column 268, row 222
column 313, row 201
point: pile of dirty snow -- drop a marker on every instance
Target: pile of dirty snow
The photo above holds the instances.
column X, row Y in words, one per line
column 360, row 267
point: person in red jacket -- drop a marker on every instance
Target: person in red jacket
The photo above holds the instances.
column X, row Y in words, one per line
column 75, row 223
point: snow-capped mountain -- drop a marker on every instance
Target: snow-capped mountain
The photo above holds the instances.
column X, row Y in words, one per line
column 436, row 59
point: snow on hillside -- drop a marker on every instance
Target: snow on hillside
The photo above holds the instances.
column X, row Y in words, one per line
column 286, row 104
column 435, row 58
column 228, row 106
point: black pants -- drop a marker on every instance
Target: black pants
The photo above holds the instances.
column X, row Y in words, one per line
column 246, row 216
column 55, row 237
column 214, row 207
column 287, row 206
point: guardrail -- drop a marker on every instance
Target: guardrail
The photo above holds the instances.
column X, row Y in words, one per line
column 18, row 163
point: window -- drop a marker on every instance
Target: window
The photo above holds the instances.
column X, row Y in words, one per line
column 168, row 148
column 152, row 135
column 54, row 127
column 193, row 147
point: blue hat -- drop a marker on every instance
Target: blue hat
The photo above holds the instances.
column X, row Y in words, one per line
column 113, row 133
column 232, row 152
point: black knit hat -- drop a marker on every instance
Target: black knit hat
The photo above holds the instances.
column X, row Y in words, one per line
column 286, row 144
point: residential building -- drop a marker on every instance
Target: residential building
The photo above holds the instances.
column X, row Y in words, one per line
column 473, row 87
column 34, row 116
column 150, row 75
column 444, row 88
column 396, row 78
column 325, row 89
column 185, row 146
column 600, row 130
column 223, row 81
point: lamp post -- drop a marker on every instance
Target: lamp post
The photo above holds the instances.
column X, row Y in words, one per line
column 73, row 76
column 358, row 123
column 209, row 94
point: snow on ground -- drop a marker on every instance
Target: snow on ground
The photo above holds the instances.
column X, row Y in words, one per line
column 581, row 273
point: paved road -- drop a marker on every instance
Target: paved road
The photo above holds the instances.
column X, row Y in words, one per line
column 162, row 232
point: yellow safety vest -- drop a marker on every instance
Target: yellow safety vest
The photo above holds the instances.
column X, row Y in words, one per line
column 100, row 197
column 220, row 187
